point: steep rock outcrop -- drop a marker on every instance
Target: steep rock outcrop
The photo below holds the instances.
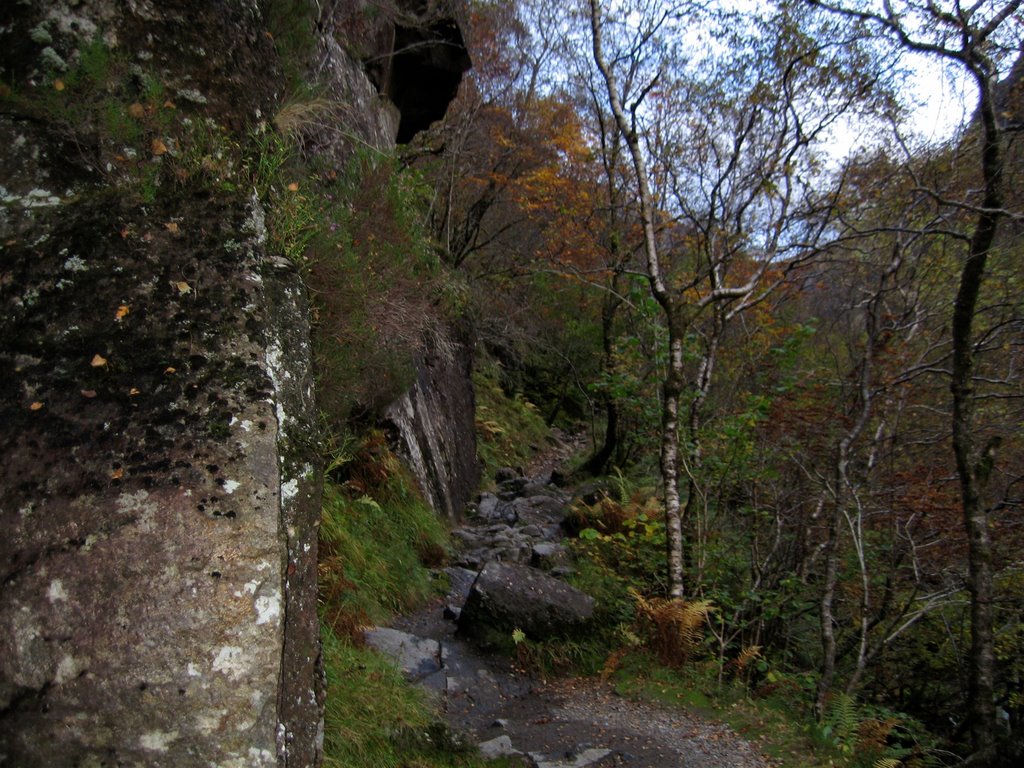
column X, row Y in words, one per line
column 159, row 477
column 434, row 428
column 159, row 492
column 160, row 496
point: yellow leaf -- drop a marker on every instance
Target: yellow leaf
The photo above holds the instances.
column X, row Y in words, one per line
column 98, row 361
column 293, row 187
column 35, row 406
column 123, row 310
column 183, row 287
column 170, row 369
column 58, row 85
column 158, row 147
column 133, row 391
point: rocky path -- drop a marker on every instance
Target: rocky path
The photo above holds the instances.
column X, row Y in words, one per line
column 565, row 723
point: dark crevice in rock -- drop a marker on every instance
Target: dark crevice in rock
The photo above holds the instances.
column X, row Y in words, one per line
column 426, row 70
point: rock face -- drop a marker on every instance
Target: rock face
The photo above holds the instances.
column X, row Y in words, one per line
column 434, row 428
column 159, row 477
column 160, row 496
column 507, row 596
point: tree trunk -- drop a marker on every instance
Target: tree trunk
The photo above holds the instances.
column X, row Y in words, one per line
column 839, row 493
column 673, row 383
column 673, row 389
column 597, row 462
column 981, row 686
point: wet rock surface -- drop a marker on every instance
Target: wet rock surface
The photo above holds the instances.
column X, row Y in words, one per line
column 569, row 723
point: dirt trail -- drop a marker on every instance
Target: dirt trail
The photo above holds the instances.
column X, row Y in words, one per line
column 562, row 723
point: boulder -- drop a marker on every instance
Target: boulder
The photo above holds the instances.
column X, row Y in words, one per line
column 495, row 748
column 418, row 657
column 504, row 474
column 507, row 596
column 538, row 510
column 548, row 554
column 491, row 509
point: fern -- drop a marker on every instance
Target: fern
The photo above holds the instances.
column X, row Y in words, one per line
column 676, row 625
column 841, row 722
column 748, row 656
column 887, row 762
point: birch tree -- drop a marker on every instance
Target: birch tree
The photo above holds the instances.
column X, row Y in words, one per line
column 722, row 149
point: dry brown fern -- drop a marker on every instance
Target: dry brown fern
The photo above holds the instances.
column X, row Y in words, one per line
column 612, row 663
column 676, row 626
column 740, row 666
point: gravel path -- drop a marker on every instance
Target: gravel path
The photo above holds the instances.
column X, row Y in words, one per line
column 562, row 723
column 568, row 722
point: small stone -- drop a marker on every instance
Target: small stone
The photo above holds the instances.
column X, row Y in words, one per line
column 498, row 747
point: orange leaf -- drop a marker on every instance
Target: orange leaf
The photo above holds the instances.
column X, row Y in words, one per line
column 172, row 227
column 123, row 310
column 293, row 187
column 158, row 147
column 169, row 370
column 98, row 361
column 137, row 111
column 58, row 85
column 35, row 406
column 133, row 391
column 117, row 474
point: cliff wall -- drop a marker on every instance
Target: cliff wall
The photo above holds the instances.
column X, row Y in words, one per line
column 159, row 477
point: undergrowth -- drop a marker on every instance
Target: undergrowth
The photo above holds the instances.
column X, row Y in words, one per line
column 665, row 650
column 377, row 538
column 509, row 429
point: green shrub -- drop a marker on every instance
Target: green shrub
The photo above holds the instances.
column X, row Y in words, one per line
column 509, row 429
column 377, row 536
